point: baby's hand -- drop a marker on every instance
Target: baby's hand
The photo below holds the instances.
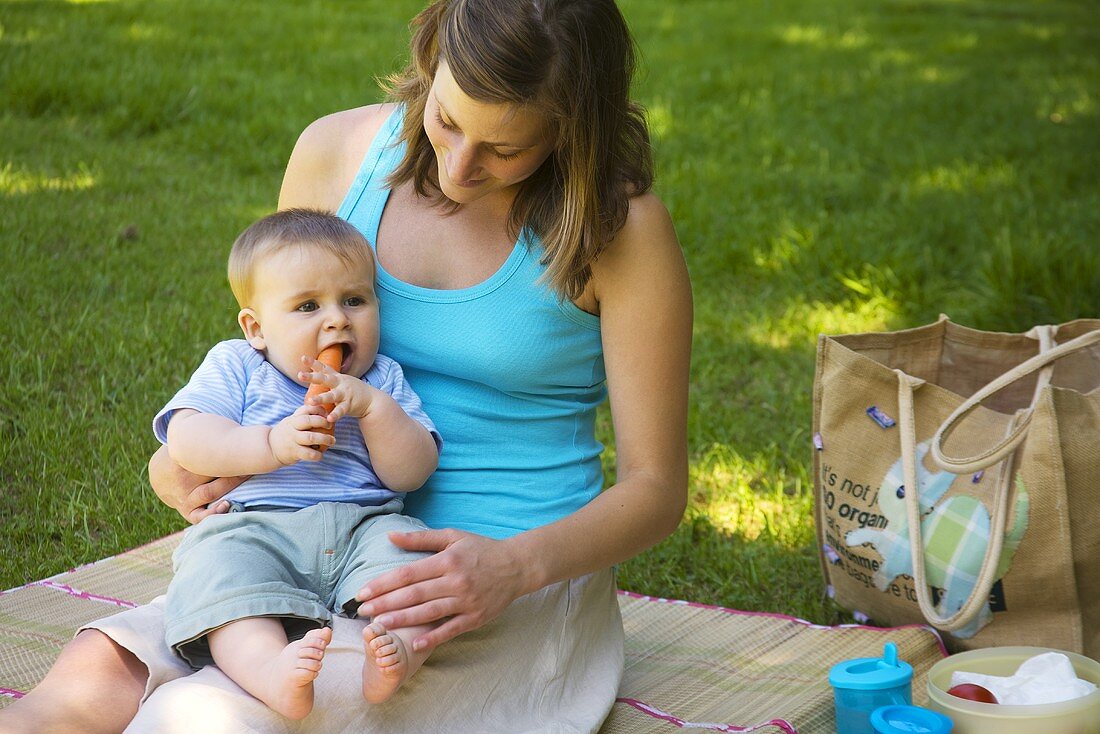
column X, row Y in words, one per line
column 292, row 439
column 350, row 395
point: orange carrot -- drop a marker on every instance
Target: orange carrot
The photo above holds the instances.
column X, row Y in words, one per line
column 331, row 356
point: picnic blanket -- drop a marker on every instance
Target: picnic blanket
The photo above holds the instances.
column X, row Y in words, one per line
column 687, row 665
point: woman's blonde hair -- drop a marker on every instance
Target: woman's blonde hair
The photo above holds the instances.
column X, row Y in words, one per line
column 571, row 60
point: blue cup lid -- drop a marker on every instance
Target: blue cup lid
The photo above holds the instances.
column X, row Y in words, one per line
column 909, row 719
column 872, row 674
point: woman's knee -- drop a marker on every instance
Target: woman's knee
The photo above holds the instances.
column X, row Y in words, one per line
column 94, row 654
column 94, row 686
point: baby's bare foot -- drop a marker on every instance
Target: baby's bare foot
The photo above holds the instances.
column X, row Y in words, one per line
column 291, row 674
column 386, row 665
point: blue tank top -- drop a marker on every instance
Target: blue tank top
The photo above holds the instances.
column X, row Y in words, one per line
column 510, row 374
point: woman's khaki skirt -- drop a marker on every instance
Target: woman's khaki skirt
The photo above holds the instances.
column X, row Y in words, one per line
column 551, row 662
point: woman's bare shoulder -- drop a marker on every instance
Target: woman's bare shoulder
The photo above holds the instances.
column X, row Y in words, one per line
column 327, row 157
column 646, row 234
column 646, row 211
column 343, row 131
column 644, row 254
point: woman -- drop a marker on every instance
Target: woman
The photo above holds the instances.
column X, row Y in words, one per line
column 525, row 269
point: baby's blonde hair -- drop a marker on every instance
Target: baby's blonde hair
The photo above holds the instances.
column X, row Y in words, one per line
column 293, row 228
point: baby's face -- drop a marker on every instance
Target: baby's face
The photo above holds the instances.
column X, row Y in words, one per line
column 307, row 299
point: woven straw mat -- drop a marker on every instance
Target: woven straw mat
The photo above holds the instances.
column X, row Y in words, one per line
column 687, row 665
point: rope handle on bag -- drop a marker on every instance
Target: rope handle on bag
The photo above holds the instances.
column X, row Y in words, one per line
column 978, row 596
column 1002, row 452
column 1044, row 360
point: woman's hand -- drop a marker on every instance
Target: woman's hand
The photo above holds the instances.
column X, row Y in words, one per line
column 190, row 495
column 468, row 582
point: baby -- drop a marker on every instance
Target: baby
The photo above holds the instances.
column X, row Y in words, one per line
column 254, row 589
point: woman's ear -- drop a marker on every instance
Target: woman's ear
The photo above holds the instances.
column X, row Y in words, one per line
column 250, row 325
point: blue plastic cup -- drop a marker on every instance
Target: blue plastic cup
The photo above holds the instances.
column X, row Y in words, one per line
column 864, row 684
column 909, row 720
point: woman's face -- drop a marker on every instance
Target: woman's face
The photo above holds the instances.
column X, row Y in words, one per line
column 481, row 148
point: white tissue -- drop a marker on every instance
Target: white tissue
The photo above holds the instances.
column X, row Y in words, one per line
column 1046, row 678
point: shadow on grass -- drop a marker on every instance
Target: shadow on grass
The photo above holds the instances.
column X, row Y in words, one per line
column 935, row 155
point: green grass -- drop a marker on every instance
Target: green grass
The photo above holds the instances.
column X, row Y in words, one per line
column 832, row 166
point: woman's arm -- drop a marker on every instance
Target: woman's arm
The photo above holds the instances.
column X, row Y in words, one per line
column 191, row 495
column 644, row 295
column 641, row 286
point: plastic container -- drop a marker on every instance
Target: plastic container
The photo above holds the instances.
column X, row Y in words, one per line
column 909, row 720
column 1077, row 716
column 864, row 684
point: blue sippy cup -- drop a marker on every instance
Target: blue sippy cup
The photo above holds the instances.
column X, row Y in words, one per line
column 862, row 685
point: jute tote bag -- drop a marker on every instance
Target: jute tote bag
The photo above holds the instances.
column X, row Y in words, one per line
column 957, row 481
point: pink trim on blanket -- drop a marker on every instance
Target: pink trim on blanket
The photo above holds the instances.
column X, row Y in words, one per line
column 84, row 594
column 796, row 620
column 82, row 566
column 11, row 693
column 656, row 713
column 58, row 575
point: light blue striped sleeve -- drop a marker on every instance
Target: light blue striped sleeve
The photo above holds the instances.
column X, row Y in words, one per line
column 392, row 382
column 217, row 387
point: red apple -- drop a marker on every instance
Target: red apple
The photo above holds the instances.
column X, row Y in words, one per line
column 972, row 692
